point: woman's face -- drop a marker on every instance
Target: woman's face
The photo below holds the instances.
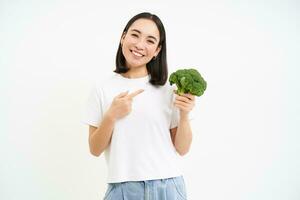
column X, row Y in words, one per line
column 140, row 43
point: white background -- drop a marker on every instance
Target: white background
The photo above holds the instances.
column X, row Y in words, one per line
column 246, row 131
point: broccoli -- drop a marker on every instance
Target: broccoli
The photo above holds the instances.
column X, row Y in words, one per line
column 188, row 81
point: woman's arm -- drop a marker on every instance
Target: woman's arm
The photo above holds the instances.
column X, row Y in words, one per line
column 182, row 136
column 99, row 138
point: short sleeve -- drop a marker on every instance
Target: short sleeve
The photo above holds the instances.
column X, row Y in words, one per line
column 93, row 111
column 174, row 117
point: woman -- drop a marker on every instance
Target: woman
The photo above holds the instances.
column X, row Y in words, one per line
column 142, row 132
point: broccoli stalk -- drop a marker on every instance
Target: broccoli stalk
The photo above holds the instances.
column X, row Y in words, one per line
column 188, row 81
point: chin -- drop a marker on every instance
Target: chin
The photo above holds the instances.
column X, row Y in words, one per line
column 136, row 64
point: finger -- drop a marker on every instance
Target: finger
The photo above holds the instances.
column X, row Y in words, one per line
column 182, row 103
column 188, row 95
column 182, row 107
column 184, row 98
column 135, row 93
column 122, row 94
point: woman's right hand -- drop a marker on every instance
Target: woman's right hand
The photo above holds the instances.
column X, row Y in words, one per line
column 121, row 105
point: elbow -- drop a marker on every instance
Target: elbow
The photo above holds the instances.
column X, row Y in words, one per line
column 94, row 150
column 95, row 153
column 183, row 150
column 182, row 153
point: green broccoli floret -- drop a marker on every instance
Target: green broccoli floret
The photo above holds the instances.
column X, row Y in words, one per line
column 188, row 81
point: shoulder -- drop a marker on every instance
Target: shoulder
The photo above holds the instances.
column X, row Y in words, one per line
column 97, row 86
column 166, row 92
column 168, row 89
column 105, row 81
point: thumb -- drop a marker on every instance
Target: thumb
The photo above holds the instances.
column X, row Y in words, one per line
column 122, row 94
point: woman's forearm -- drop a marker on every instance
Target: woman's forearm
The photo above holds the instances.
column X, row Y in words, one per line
column 183, row 138
column 101, row 137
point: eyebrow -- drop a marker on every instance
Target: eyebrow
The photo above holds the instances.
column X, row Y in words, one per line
column 150, row 36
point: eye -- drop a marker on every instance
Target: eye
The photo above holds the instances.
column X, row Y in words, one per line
column 134, row 35
column 150, row 41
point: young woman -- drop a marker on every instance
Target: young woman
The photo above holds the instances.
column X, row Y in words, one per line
column 138, row 121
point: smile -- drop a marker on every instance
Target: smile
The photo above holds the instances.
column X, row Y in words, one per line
column 136, row 53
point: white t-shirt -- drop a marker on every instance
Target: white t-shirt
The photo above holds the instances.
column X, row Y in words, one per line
column 141, row 147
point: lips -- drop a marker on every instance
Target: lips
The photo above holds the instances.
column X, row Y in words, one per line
column 136, row 53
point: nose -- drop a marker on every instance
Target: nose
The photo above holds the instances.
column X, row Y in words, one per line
column 140, row 45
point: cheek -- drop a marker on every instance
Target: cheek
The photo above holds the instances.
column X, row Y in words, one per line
column 126, row 46
column 130, row 41
column 151, row 50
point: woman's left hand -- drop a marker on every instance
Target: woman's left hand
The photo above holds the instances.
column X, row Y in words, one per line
column 185, row 103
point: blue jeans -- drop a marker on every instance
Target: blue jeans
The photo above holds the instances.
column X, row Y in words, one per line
column 159, row 189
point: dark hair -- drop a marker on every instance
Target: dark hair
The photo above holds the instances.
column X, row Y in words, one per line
column 157, row 68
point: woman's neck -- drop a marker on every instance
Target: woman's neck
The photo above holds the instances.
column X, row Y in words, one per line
column 136, row 73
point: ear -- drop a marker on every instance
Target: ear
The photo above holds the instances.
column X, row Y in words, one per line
column 157, row 51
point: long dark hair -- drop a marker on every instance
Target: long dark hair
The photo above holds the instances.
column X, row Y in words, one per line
column 157, row 68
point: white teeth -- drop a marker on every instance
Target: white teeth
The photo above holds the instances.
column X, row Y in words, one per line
column 137, row 54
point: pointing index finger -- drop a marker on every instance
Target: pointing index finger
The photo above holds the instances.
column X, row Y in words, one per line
column 135, row 93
